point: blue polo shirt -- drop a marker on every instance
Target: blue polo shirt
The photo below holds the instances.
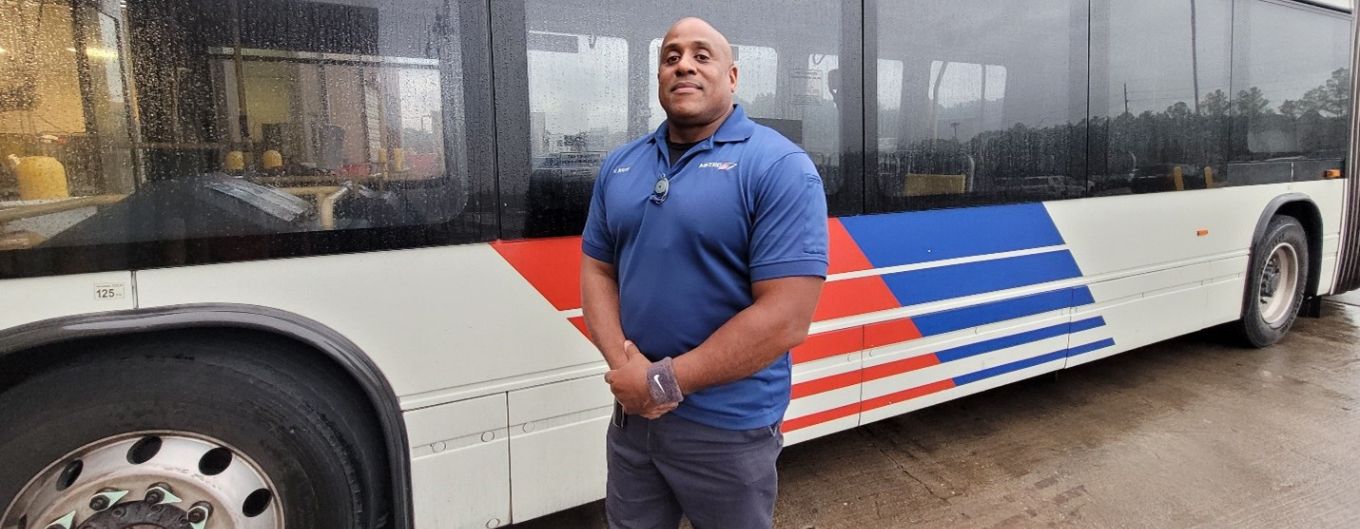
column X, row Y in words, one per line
column 744, row 205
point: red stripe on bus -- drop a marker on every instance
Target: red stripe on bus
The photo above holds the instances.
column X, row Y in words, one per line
column 852, row 297
column 825, row 384
column 827, row 344
column 580, row 323
column 832, row 414
column 890, row 332
column 898, row 367
column 845, row 253
column 906, row 395
column 552, row 266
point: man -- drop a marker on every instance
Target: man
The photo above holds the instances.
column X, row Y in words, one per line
column 705, row 252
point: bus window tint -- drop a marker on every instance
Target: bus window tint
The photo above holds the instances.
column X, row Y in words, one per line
column 1159, row 85
column 592, row 87
column 168, row 120
column 1291, row 93
column 983, row 103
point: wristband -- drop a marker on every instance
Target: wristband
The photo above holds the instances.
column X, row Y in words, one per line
column 662, row 384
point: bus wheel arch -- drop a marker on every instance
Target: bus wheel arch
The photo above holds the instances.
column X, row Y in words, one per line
column 35, row 349
column 1285, row 253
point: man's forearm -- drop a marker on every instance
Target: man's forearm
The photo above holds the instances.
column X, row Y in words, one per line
column 747, row 343
column 600, row 306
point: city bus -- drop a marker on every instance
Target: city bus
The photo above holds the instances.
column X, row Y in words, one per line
column 313, row 263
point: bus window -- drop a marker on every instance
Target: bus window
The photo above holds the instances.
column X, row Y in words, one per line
column 1291, row 93
column 571, row 129
column 592, row 87
column 173, row 120
column 983, row 103
column 1159, row 79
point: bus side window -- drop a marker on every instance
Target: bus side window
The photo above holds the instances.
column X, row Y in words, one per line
column 983, row 105
column 592, row 87
column 1159, row 81
column 1290, row 93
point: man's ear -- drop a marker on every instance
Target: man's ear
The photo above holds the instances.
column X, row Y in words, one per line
column 732, row 74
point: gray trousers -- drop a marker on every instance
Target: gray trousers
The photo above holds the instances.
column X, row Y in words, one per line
column 660, row 469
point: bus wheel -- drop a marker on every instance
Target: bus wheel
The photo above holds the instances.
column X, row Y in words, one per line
column 188, row 433
column 1275, row 283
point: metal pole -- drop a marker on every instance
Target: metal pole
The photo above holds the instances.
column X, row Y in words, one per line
column 239, row 65
column 1194, row 53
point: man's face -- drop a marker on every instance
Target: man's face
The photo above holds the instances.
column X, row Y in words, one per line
column 696, row 77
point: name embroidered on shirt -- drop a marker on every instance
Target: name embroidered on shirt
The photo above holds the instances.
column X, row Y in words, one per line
column 622, row 169
column 721, row 166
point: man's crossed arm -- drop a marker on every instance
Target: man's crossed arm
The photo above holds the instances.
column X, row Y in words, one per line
column 777, row 321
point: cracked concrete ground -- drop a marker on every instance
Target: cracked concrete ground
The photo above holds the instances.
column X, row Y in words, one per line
column 1188, row 433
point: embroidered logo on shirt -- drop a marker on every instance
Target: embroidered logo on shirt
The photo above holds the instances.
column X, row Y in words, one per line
column 721, row 166
column 622, row 169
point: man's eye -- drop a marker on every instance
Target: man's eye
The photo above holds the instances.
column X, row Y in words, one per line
column 672, row 59
column 701, row 57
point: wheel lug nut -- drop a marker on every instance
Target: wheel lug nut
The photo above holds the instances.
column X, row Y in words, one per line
column 158, row 493
column 199, row 512
column 99, row 503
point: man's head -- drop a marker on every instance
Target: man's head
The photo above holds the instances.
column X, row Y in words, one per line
column 697, row 77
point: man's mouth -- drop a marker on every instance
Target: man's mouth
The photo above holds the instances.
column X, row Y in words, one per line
column 685, row 87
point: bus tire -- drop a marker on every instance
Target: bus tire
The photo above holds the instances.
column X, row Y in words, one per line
column 253, row 427
column 1276, row 282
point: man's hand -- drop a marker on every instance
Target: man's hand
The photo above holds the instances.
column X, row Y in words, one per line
column 629, row 385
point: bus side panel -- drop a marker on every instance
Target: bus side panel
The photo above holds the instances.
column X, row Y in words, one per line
column 961, row 363
column 557, row 456
column 29, row 300
column 441, row 323
column 458, row 464
column 1331, row 200
column 1167, row 264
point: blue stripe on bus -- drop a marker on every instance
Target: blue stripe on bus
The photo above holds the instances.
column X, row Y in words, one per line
column 894, row 239
column 1093, row 346
column 1007, row 368
column 997, row 344
column 1007, row 309
column 1031, row 362
column 955, row 281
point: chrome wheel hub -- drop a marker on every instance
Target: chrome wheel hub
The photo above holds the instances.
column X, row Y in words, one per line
column 166, row 480
column 1278, row 284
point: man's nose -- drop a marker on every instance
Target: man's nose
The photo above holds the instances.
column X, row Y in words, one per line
column 686, row 66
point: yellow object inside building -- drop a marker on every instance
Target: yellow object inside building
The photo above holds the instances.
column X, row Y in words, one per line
column 271, row 159
column 235, row 162
column 41, row 177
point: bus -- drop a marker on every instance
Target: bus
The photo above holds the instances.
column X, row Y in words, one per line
column 313, row 263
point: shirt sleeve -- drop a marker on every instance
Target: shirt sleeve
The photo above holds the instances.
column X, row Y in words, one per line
column 789, row 233
column 596, row 240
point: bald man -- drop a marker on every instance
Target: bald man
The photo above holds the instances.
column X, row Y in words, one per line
column 705, row 252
